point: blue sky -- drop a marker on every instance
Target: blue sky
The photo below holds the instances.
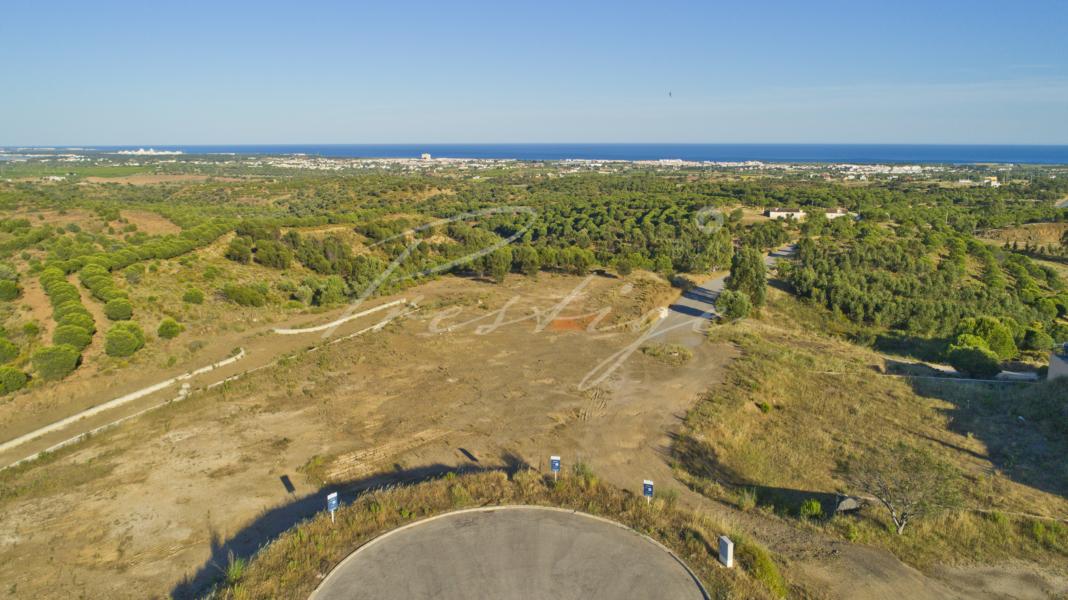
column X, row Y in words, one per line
column 936, row 71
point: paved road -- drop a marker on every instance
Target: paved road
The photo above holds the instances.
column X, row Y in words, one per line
column 513, row 553
column 688, row 316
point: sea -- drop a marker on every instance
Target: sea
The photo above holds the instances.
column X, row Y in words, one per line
column 790, row 153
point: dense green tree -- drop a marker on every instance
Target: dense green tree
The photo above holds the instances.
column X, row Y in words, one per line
column 733, row 305
column 525, row 259
column 748, row 275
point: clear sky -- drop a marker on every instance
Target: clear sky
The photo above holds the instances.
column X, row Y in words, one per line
column 903, row 71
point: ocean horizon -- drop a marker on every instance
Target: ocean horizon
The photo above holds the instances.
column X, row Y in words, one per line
column 782, row 153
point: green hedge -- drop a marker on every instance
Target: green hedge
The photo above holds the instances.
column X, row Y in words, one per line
column 55, row 362
column 72, row 335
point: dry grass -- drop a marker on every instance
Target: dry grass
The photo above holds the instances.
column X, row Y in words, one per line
column 797, row 404
column 293, row 565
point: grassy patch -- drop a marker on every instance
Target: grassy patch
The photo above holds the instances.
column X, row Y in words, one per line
column 293, row 565
column 829, row 402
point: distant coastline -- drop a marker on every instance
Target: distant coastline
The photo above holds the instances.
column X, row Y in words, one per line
column 781, row 153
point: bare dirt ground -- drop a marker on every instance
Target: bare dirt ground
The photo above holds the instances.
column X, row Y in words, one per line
column 150, row 222
column 155, row 506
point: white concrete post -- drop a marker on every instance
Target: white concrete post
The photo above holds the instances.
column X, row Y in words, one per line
column 726, row 551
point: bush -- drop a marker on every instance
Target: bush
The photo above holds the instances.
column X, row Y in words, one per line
column 55, row 362
column 11, row 380
column 8, row 351
column 168, row 328
column 244, row 295
column 273, row 254
column 118, row 309
column 733, row 305
column 974, row 361
column 1036, row 339
column 193, row 296
column 811, row 509
column 757, row 561
column 239, row 250
column 123, row 339
column 72, row 335
column 9, row 290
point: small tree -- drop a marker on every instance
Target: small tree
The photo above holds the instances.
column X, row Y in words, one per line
column 118, row 309
column 498, row 263
column 733, row 305
column 168, row 328
column 909, row 482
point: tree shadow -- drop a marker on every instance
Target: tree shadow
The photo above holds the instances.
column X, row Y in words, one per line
column 700, row 459
column 276, row 521
column 1022, row 426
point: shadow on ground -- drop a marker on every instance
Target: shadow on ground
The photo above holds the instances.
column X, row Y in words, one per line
column 276, row 521
column 699, row 459
column 1024, row 427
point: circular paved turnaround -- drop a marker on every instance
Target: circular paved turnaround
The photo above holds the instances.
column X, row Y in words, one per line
column 511, row 553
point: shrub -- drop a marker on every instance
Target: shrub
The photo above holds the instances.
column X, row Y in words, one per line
column 72, row 335
column 974, row 361
column 193, row 296
column 9, row 290
column 239, row 250
column 11, row 380
column 8, row 351
column 118, row 309
column 79, row 319
column 733, row 305
column 273, row 254
column 1036, row 339
column 168, row 328
column 811, row 509
column 123, row 339
column 747, row 499
column 757, row 561
column 55, row 362
column 244, row 295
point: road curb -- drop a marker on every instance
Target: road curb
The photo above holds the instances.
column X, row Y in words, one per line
column 334, row 570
